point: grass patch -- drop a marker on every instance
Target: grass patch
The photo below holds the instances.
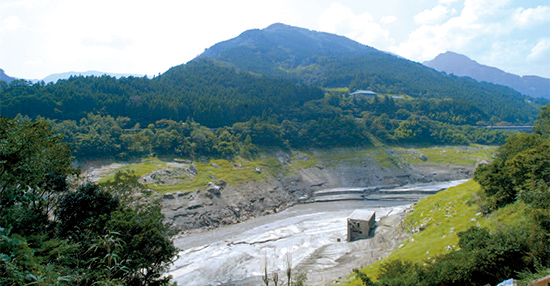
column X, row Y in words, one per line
column 443, row 216
column 337, row 90
column 234, row 172
column 461, row 155
column 385, row 158
column 145, row 166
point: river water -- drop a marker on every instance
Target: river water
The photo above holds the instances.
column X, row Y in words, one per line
column 309, row 237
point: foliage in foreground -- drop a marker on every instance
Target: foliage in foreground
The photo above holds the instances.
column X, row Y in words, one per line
column 54, row 234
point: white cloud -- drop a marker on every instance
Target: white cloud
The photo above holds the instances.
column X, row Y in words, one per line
column 388, row 19
column 12, row 24
column 342, row 20
column 148, row 37
column 479, row 21
column 540, row 53
column 137, row 36
column 432, row 16
column 530, row 16
column 447, row 2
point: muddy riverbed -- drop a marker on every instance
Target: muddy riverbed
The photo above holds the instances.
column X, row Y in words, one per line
column 309, row 237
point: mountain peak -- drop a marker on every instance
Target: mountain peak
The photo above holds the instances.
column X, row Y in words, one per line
column 448, row 55
column 277, row 26
column 280, row 38
column 461, row 65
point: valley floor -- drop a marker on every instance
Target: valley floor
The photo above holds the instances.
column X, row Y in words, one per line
column 311, row 236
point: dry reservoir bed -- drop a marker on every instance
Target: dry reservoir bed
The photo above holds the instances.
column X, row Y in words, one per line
column 311, row 236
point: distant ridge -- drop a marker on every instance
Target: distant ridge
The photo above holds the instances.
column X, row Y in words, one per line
column 5, row 77
column 55, row 77
column 461, row 65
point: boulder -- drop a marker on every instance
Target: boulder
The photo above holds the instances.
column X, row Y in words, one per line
column 283, row 157
column 168, row 197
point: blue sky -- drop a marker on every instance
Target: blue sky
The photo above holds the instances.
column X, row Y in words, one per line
column 42, row 37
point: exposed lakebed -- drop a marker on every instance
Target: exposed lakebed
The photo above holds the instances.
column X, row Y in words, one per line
column 309, row 236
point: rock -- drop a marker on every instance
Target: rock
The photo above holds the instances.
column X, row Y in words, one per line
column 213, row 186
column 302, row 157
column 193, row 207
column 423, row 157
column 215, row 165
column 258, row 170
column 215, row 190
column 168, row 197
column 193, row 169
column 283, row 157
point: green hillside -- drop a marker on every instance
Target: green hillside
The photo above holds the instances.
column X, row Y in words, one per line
column 326, row 60
column 481, row 232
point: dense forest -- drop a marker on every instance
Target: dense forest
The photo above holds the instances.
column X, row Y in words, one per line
column 211, row 95
column 206, row 109
column 519, row 175
column 53, row 232
column 333, row 121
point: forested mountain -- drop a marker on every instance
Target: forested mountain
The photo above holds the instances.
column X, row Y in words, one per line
column 327, row 60
column 460, row 65
column 285, row 51
column 281, row 87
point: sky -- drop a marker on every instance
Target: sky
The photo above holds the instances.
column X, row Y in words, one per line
column 43, row 37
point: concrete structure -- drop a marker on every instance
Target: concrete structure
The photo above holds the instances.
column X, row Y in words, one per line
column 367, row 93
column 360, row 223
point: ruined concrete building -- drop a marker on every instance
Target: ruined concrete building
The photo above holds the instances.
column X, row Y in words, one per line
column 360, row 223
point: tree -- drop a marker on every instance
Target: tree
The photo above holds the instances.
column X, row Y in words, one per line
column 34, row 165
column 502, row 179
column 542, row 124
column 52, row 235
